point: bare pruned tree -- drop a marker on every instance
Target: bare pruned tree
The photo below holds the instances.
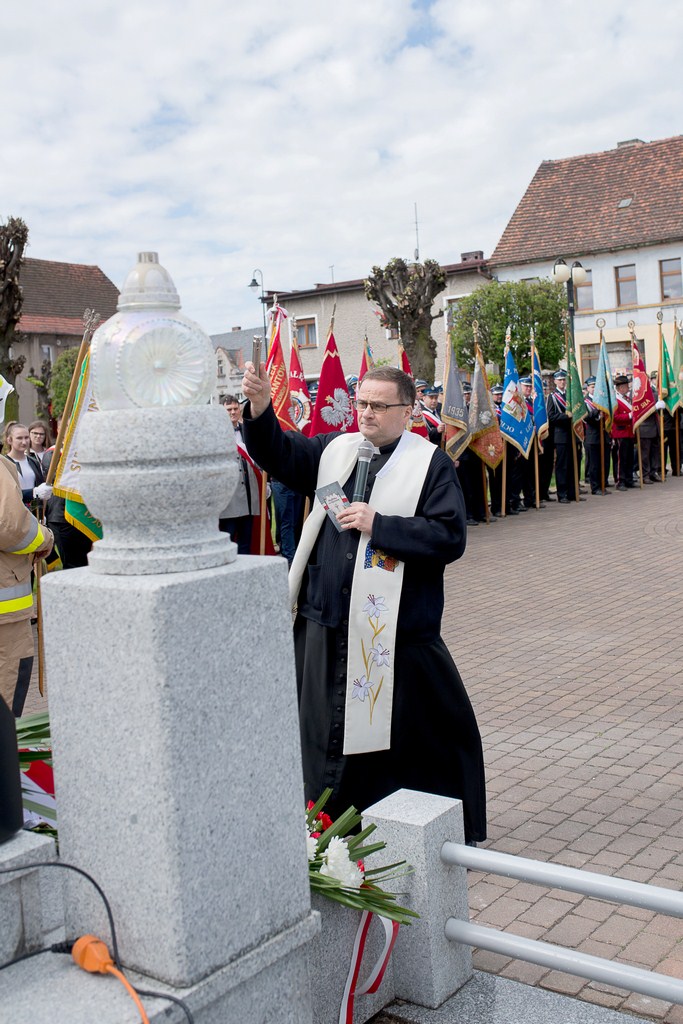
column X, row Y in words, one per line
column 13, row 240
column 405, row 293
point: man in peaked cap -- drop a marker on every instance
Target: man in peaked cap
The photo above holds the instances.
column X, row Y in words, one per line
column 560, row 417
column 470, row 476
column 622, row 432
column 496, row 475
column 594, row 435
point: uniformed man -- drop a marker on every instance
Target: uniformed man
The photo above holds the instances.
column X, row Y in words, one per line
column 595, row 434
column 563, row 435
column 471, row 478
column 496, row 475
column 622, row 432
column 23, row 540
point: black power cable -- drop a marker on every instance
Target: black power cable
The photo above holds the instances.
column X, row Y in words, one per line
column 65, row 947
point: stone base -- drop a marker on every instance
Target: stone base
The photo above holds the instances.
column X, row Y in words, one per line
column 268, row 984
column 31, row 898
column 177, row 762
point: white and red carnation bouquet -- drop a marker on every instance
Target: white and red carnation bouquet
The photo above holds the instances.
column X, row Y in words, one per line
column 336, row 863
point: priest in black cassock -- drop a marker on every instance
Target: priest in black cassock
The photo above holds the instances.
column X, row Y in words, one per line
column 382, row 706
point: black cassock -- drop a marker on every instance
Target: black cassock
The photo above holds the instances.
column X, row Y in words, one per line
column 435, row 741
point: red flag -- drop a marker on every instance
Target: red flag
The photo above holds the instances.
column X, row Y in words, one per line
column 333, row 409
column 417, row 421
column 367, row 362
column 275, row 366
column 300, row 399
column 404, row 361
column 261, row 481
column 642, row 398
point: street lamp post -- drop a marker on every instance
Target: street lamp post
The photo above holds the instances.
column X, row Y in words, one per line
column 571, row 276
column 254, row 285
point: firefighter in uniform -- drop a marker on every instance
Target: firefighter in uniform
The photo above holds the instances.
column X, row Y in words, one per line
column 22, row 540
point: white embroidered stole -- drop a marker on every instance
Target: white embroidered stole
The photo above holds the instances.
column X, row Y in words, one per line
column 376, row 587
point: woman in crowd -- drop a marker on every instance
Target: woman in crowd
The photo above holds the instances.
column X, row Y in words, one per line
column 38, row 434
column 16, row 448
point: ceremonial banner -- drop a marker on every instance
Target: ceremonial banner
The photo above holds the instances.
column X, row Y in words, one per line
column 300, row 400
column 605, row 395
column 576, row 405
column 642, row 398
column 454, row 412
column 678, row 359
column 540, row 407
column 6, row 389
column 67, row 478
column 275, row 367
column 516, row 424
column 333, row 409
column 403, row 361
column 368, row 361
column 485, row 436
column 668, row 385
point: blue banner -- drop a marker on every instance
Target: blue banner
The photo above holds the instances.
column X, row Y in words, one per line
column 516, row 425
column 540, row 408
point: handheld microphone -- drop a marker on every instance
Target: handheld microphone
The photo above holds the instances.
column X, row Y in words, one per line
column 366, row 450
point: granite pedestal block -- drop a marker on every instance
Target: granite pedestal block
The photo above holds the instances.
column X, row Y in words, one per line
column 177, row 761
column 31, row 897
column 427, row 967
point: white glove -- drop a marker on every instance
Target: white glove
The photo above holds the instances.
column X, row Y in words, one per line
column 42, row 492
column 660, row 404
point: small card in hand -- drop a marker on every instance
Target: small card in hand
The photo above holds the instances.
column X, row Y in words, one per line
column 333, row 500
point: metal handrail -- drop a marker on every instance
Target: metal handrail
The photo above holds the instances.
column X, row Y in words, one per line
column 557, row 876
column 595, row 968
column 586, row 883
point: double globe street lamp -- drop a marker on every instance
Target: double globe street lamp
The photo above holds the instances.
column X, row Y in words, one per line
column 571, row 276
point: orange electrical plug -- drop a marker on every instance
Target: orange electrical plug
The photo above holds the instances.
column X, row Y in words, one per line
column 91, row 954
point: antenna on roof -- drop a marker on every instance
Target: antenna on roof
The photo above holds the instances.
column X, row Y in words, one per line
column 417, row 238
column 332, row 272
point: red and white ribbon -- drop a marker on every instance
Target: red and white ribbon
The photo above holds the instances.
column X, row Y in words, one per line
column 374, row 980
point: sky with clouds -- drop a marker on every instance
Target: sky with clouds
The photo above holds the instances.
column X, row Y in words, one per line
column 298, row 137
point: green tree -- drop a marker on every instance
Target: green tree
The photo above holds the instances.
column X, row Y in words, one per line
column 60, row 379
column 520, row 304
column 405, row 293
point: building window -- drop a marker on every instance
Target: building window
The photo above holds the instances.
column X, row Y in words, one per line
column 618, row 354
column 392, row 333
column 306, row 333
column 625, row 276
column 583, row 293
column 670, row 278
column 221, row 368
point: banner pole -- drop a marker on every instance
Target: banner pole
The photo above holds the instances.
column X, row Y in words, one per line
column 487, row 510
column 640, row 459
column 264, row 514
column 575, row 459
column 537, row 487
column 602, row 455
column 503, row 489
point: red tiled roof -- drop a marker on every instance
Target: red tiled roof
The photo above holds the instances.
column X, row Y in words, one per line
column 57, row 294
column 571, row 208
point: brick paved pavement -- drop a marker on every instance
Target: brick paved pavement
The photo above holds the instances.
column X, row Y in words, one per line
column 577, row 686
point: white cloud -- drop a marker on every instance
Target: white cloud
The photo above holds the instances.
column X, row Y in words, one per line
column 292, row 138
